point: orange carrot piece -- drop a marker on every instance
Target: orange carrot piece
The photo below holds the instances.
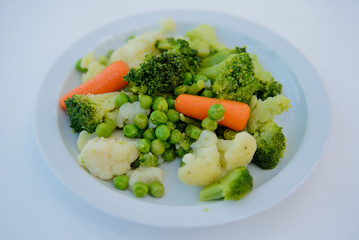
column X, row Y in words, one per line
column 109, row 80
column 236, row 114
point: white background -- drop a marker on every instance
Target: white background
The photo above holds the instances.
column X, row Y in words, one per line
column 34, row 204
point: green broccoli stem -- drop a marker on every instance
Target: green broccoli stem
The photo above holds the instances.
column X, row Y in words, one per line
column 211, row 192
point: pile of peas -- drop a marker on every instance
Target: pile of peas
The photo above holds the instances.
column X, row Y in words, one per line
column 159, row 139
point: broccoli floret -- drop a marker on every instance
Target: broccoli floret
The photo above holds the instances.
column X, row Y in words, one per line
column 162, row 73
column 271, row 144
column 233, row 186
column 205, row 33
column 87, row 111
column 270, row 139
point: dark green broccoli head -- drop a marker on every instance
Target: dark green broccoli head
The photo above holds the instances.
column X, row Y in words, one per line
column 162, row 73
column 87, row 111
column 233, row 186
column 271, row 144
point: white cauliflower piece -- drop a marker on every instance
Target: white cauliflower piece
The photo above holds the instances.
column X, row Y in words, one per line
column 134, row 51
column 87, row 59
column 127, row 113
column 93, row 69
column 83, row 138
column 237, row 152
column 145, row 174
column 108, row 157
column 202, row 167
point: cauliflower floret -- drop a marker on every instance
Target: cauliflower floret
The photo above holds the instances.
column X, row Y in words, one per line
column 127, row 113
column 134, row 51
column 237, row 152
column 145, row 174
column 93, row 69
column 202, row 167
column 167, row 25
column 83, row 138
column 107, row 157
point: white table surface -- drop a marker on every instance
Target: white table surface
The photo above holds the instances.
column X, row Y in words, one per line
column 34, row 204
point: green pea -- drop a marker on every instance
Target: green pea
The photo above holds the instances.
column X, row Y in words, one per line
column 148, row 160
column 171, row 103
column 141, row 121
column 229, row 134
column 144, row 145
column 160, row 103
column 156, row 189
column 175, row 137
column 140, row 189
column 207, row 93
column 78, row 66
column 187, row 78
column 157, row 147
column 149, row 134
column 158, row 117
column 121, row 99
column 169, row 154
column 133, row 98
column 104, row 130
column 173, row 115
column 209, row 124
column 195, row 132
column 130, row 130
column 146, row 102
column 189, row 128
column 121, row 182
column 171, row 126
column 180, row 90
column 162, row 132
column 216, row 111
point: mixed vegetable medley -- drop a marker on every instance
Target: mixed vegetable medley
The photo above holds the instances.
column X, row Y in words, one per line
column 189, row 99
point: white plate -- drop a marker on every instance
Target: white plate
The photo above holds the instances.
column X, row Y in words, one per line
column 306, row 126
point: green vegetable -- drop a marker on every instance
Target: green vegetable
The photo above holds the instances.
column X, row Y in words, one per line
column 233, row 186
column 145, row 101
column 158, row 117
column 195, row 88
column 121, row 99
column 229, row 134
column 148, row 160
column 216, row 111
column 144, row 145
column 160, row 103
column 121, row 182
column 130, row 130
column 141, row 121
column 169, row 154
column 163, row 73
column 162, row 132
column 180, row 90
column 87, row 111
column 104, row 130
column 207, row 93
column 207, row 34
column 140, row 189
column 79, row 68
column 156, row 189
column 149, row 134
column 175, row 137
column 209, row 124
column 173, row 115
column 171, row 126
column 193, row 131
column 134, row 98
column 157, row 147
column 171, row 103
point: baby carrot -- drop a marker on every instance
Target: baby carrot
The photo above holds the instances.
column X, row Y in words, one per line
column 109, row 80
column 236, row 114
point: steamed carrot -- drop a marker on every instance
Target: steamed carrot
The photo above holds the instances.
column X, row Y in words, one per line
column 109, row 80
column 236, row 114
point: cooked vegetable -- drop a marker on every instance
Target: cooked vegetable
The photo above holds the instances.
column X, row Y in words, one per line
column 109, row 80
column 156, row 189
column 87, row 111
column 145, row 174
column 121, row 99
column 121, row 182
column 235, row 117
column 233, row 186
column 140, row 189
